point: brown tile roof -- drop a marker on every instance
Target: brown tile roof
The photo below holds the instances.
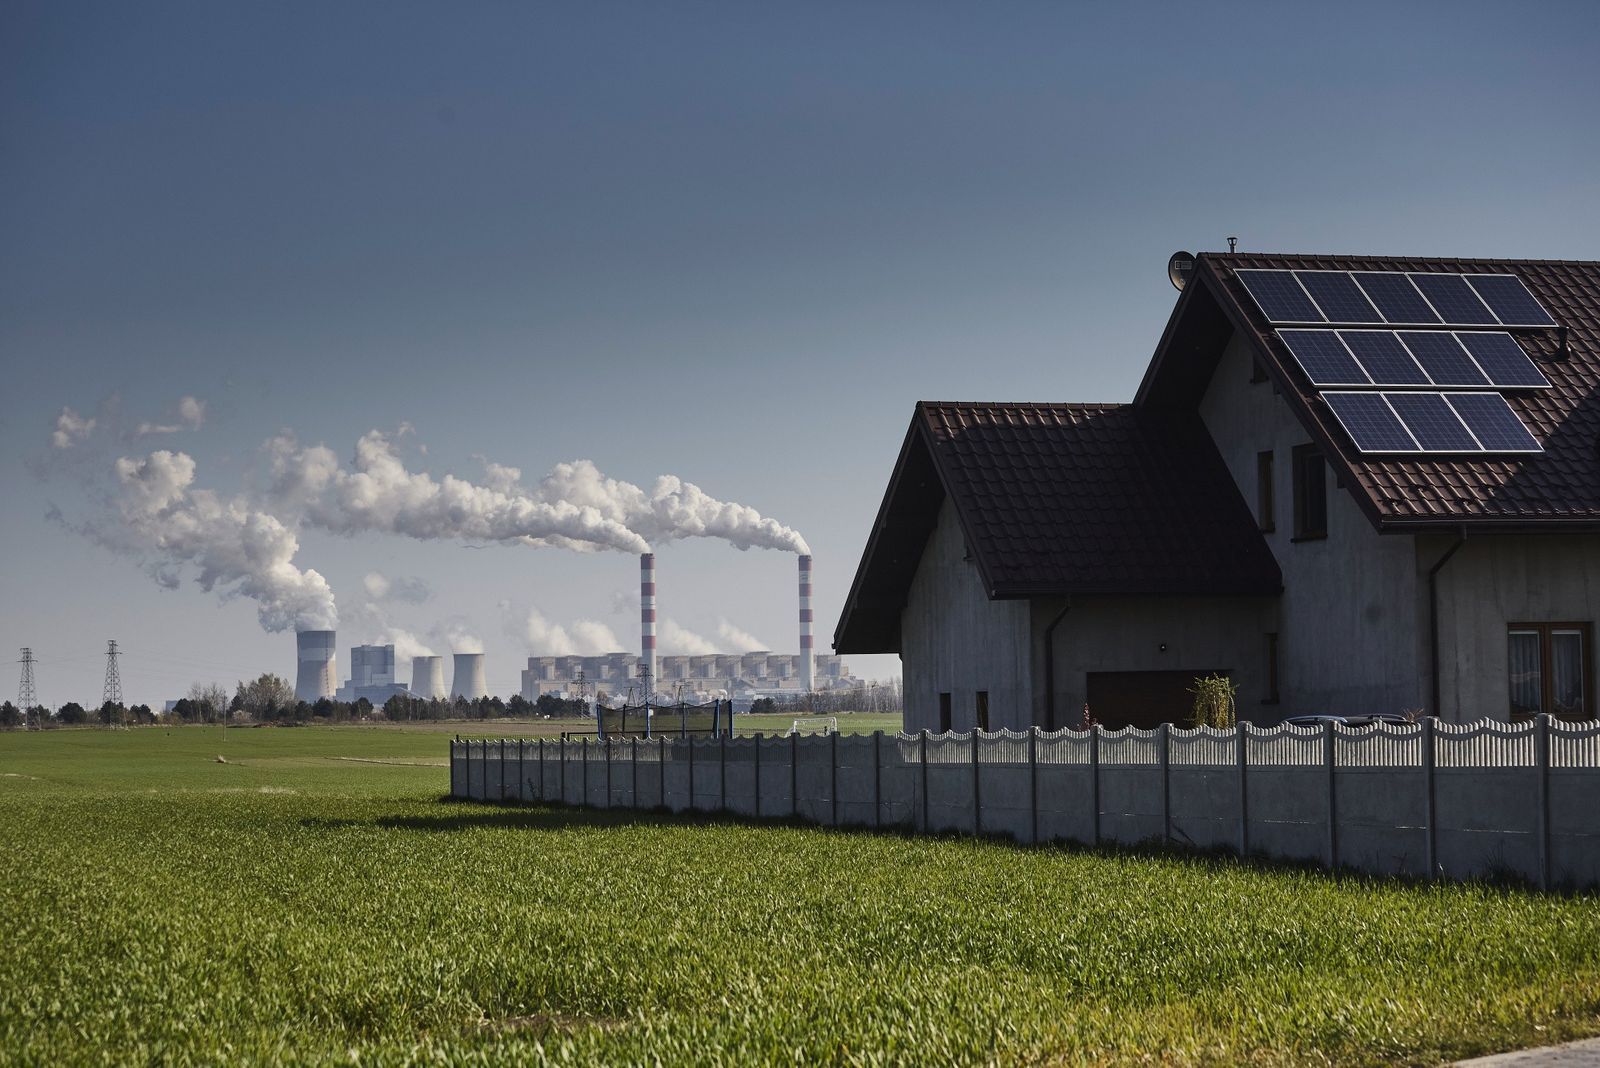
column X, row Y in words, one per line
column 1059, row 499
column 1558, row 487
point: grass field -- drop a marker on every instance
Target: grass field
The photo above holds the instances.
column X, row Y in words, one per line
column 312, row 899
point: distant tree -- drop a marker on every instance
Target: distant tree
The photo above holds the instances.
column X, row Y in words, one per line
column 142, row 714
column 10, row 716
column 210, row 698
column 362, row 709
column 112, row 714
column 72, row 713
column 267, row 697
column 237, row 704
column 763, row 704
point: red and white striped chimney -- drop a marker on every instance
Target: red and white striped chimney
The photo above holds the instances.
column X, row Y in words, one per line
column 647, row 622
column 808, row 665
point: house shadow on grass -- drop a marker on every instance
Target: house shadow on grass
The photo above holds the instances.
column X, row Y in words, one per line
column 461, row 814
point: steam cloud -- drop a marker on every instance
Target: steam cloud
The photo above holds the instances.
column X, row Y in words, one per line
column 678, row 639
column 191, row 414
column 738, row 641
column 405, row 588
column 71, row 428
column 586, row 637
column 235, row 549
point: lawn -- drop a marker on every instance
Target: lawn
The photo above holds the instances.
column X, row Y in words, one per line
column 312, row 898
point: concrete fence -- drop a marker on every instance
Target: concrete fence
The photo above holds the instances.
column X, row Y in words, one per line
column 1428, row 799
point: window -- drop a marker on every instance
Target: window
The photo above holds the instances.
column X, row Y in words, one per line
column 1548, row 669
column 983, row 710
column 1264, row 507
column 1272, row 670
column 1310, row 494
column 944, row 712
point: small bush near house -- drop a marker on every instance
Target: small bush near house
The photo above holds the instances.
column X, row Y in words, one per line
column 1213, row 702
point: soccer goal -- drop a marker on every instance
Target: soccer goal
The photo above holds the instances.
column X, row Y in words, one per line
column 815, row 725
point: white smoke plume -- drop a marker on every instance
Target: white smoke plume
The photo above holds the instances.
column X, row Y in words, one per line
column 380, row 494
column 231, row 547
column 586, row 637
column 681, row 641
column 406, row 645
column 460, row 639
column 190, row 415
column 71, row 428
column 735, row 640
column 407, row 589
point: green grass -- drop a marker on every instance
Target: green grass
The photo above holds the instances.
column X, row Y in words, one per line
column 293, row 904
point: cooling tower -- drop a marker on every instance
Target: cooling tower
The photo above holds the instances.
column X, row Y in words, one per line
column 318, row 674
column 808, row 665
column 647, row 622
column 469, row 681
column 427, row 677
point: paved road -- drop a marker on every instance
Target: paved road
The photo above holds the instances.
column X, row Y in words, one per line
column 1585, row 1054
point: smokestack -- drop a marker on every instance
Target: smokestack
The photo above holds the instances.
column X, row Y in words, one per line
column 469, row 681
column 647, row 622
column 318, row 671
column 427, row 676
column 808, row 664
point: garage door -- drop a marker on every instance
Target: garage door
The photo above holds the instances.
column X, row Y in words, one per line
column 1143, row 699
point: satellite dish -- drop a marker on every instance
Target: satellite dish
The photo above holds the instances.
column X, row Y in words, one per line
column 1179, row 267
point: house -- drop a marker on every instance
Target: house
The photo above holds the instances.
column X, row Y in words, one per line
column 1351, row 484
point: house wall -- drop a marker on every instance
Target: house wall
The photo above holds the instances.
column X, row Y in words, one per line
column 1492, row 582
column 1352, row 620
column 954, row 639
column 1127, row 634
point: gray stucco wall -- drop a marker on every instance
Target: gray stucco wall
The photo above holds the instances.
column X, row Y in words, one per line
column 1353, row 616
column 1126, row 634
column 1491, row 583
column 954, row 639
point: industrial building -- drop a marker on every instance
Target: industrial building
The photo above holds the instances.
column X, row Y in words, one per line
column 371, row 676
column 1349, row 484
column 690, row 676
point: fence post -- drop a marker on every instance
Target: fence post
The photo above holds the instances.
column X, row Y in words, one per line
column 1094, row 780
column 483, row 769
column 1429, row 815
column 633, row 760
column 977, row 804
column 877, row 778
column 794, row 773
column 661, row 768
column 1541, row 762
column 924, row 780
column 1166, row 782
column 607, row 741
column 561, row 770
column 833, row 777
column 688, row 744
column 541, row 771
column 722, row 771
column 1243, row 746
column 522, row 774
column 583, row 776
column 1333, row 810
column 1033, row 784
column 452, row 768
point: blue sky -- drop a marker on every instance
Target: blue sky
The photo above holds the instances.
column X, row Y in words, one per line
column 729, row 242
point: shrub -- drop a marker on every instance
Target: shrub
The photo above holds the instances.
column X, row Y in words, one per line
column 1213, row 701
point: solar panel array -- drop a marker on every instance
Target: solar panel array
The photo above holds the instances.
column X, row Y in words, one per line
column 1430, row 422
column 1421, row 386
column 1413, row 358
column 1394, row 298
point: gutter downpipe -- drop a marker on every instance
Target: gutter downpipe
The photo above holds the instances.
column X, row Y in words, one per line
column 1433, row 613
column 1050, row 666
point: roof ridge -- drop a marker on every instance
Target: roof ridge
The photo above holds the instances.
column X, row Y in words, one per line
column 1025, row 404
column 1490, row 260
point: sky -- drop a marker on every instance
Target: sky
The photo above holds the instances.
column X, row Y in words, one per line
column 729, row 243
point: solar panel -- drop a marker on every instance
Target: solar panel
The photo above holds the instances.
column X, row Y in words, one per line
column 1370, row 422
column 1396, row 297
column 1493, row 422
column 1503, row 360
column 1324, row 358
column 1386, row 361
column 1432, row 422
column 1454, row 300
column 1442, row 356
column 1509, row 299
column 1340, row 299
column 1280, row 296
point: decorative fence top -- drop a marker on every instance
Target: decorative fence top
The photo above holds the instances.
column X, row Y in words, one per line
column 1484, row 744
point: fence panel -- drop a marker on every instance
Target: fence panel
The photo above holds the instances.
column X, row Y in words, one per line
column 1436, row 799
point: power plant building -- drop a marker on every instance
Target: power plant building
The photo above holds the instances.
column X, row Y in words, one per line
column 691, row 676
column 317, row 675
column 371, row 675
